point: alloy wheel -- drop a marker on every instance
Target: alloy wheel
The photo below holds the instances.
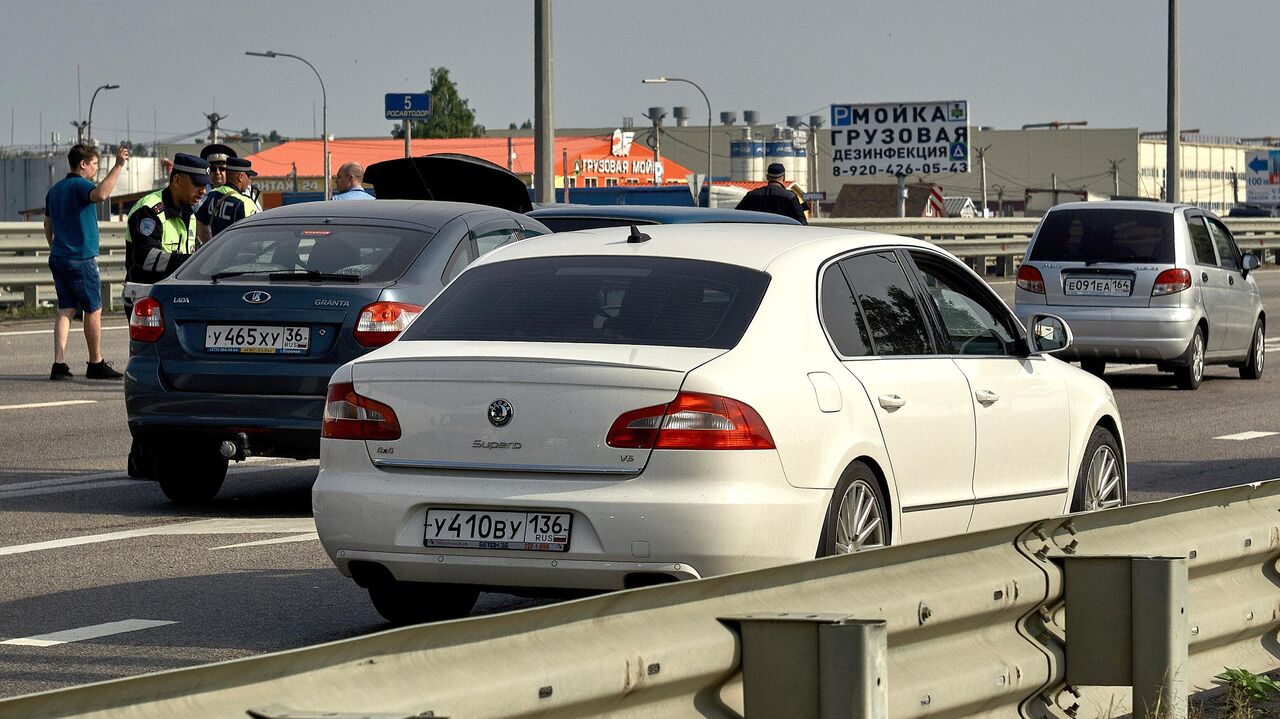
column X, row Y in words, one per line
column 1197, row 358
column 1259, row 348
column 1105, row 485
column 860, row 521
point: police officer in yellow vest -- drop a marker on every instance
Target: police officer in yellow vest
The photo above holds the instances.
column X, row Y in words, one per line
column 217, row 155
column 162, row 225
column 236, row 204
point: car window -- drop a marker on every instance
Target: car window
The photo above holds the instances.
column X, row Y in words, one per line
column 463, row 255
column 1228, row 254
column 609, row 300
column 1105, row 235
column 974, row 323
column 1201, row 242
column 886, row 300
column 491, row 241
column 375, row 254
column 840, row 315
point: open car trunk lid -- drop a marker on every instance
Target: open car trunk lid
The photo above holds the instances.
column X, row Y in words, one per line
column 451, row 177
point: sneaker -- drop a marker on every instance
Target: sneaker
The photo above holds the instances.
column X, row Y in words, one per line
column 101, row 370
column 61, row 370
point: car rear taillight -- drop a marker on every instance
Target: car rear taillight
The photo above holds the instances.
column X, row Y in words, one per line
column 382, row 322
column 348, row 415
column 1030, row 279
column 692, row 421
column 1171, row 282
column 146, row 324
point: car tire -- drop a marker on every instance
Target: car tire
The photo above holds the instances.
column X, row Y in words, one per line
column 857, row 517
column 1190, row 376
column 1252, row 368
column 192, row 477
column 1094, row 367
column 1100, row 483
column 416, row 602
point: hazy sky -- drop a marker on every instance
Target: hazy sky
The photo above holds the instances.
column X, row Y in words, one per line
column 1016, row 61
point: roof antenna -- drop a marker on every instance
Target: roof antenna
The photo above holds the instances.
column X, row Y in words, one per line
column 636, row 235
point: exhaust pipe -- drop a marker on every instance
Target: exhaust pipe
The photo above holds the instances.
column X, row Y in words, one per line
column 237, row 449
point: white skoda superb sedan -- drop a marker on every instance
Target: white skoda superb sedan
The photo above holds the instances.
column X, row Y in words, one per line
column 607, row 409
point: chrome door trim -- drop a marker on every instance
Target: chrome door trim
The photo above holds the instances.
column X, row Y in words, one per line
column 985, row 500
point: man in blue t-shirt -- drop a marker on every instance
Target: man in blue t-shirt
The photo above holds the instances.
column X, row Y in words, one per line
column 350, row 176
column 71, row 229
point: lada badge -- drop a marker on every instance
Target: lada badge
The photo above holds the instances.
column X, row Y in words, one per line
column 256, row 297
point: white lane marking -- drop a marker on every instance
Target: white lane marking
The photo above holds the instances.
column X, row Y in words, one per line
column 309, row 537
column 205, row 526
column 39, row 491
column 1242, row 436
column 83, row 633
column 59, row 481
column 115, row 479
column 1133, row 367
column 1002, row 282
column 49, row 332
column 38, row 405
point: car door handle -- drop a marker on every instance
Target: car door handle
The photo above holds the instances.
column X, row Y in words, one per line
column 891, row 401
column 1204, row 276
column 986, row 397
column 1231, row 280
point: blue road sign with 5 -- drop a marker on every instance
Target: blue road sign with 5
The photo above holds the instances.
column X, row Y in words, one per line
column 408, row 106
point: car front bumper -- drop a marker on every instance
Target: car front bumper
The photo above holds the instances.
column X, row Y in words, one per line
column 690, row 514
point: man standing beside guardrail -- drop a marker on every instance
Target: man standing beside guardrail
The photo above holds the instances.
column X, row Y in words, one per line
column 71, row 229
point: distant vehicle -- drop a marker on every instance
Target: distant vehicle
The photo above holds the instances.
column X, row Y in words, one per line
column 567, row 218
column 1251, row 211
column 1146, row 282
column 232, row 355
column 616, row 408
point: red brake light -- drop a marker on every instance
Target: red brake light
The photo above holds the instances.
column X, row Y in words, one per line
column 692, row 421
column 382, row 322
column 1030, row 279
column 348, row 415
column 146, row 324
column 1171, row 282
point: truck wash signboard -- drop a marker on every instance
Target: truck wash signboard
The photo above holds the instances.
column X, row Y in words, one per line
column 1262, row 177
column 901, row 138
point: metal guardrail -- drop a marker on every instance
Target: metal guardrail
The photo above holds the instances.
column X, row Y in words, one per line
column 982, row 625
column 990, row 246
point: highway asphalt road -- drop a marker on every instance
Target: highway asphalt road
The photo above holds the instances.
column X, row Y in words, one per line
column 104, row 578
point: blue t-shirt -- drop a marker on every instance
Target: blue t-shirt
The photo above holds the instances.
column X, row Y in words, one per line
column 74, row 218
column 353, row 194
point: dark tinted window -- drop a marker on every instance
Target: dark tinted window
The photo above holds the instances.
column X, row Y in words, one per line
column 974, row 321
column 841, row 317
column 569, row 224
column 375, row 254
column 1103, row 235
column 610, row 300
column 1201, row 242
column 1228, row 255
column 888, row 304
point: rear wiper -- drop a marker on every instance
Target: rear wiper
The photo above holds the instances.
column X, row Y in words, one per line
column 224, row 275
column 312, row 276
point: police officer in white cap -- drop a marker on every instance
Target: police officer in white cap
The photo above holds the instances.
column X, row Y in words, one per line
column 217, row 155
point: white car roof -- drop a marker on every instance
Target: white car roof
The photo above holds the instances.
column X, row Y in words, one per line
column 749, row 245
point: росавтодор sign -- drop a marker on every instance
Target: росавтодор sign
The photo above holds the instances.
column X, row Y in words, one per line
column 899, row 138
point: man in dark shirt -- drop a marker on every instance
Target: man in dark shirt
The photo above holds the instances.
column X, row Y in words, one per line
column 71, row 229
column 774, row 197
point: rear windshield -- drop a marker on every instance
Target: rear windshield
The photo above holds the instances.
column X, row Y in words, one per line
column 569, row 224
column 606, row 300
column 1088, row 235
column 374, row 254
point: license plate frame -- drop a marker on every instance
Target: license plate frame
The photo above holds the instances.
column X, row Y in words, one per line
column 1098, row 286
column 450, row 524
column 258, row 339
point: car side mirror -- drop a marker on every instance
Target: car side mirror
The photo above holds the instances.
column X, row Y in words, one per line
column 1049, row 333
column 1249, row 263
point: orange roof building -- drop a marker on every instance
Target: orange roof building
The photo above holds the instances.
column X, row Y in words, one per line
column 593, row 161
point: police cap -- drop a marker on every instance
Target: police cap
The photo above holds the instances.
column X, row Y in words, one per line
column 217, row 153
column 238, row 164
column 191, row 166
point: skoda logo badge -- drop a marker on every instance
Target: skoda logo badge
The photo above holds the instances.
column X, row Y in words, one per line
column 500, row 412
column 256, row 297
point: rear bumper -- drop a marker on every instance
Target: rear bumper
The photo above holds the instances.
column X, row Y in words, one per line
column 1120, row 334
column 276, row 425
column 689, row 515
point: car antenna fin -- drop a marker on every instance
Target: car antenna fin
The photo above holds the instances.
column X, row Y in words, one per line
column 637, row 236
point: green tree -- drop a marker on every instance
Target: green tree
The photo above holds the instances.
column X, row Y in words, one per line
column 450, row 114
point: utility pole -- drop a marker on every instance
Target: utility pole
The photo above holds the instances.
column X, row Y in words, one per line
column 1055, row 190
column 1172, row 164
column 544, row 128
column 982, row 164
column 1115, row 177
column 1235, row 187
column 214, row 118
column 80, row 127
column 656, row 114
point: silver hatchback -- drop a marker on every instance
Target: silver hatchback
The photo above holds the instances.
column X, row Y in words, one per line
column 1143, row 282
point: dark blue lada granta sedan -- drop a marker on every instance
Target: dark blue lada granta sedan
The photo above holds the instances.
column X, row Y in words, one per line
column 232, row 355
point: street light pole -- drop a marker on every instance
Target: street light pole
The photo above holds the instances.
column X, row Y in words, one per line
column 91, row 101
column 324, row 113
column 660, row 80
